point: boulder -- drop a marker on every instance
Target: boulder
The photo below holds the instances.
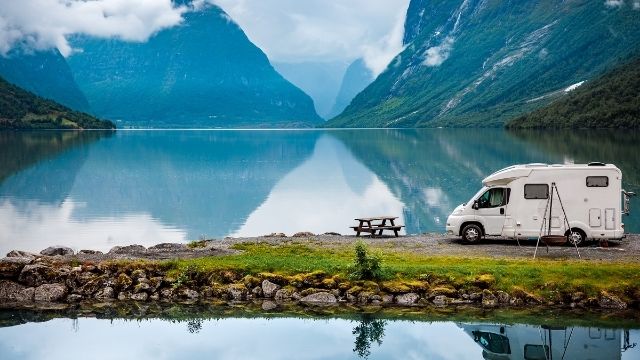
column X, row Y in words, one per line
column 610, row 301
column 106, row 293
column 142, row 296
column 188, row 294
column 50, row 292
column 168, row 247
column 138, row 274
column 484, row 281
column 123, row 281
column 22, row 254
column 89, row 252
column 407, row 299
column 320, row 298
column 256, row 292
column 237, row 292
column 10, row 267
column 124, row 295
column 286, row 293
column 128, row 250
column 441, row 300
column 387, row 299
column 279, row 235
column 57, row 250
column 35, row 274
column 74, row 298
column 503, row 297
column 269, row 289
column 141, row 287
column 303, row 234
column 11, row 291
column 488, row 299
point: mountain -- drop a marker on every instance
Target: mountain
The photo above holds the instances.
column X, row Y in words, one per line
column 482, row 62
column 610, row 101
column 355, row 79
column 44, row 73
column 203, row 72
column 320, row 80
column 20, row 109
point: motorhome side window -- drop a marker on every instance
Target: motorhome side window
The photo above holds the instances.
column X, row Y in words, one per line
column 536, row 191
column 494, row 197
column 597, row 181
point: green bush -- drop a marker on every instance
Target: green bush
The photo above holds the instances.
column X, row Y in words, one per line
column 365, row 266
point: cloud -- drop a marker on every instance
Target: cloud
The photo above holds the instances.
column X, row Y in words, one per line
column 320, row 30
column 636, row 5
column 614, row 3
column 436, row 55
column 43, row 24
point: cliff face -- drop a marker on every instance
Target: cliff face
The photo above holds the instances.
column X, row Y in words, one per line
column 482, row 62
column 44, row 73
column 203, row 72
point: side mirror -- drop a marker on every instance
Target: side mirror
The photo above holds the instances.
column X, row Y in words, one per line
column 475, row 205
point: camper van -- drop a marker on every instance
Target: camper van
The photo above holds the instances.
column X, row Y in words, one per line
column 527, row 201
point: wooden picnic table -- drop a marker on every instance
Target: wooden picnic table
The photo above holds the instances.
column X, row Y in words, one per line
column 367, row 225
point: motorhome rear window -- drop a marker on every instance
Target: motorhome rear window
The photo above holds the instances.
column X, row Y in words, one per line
column 536, row 191
column 597, row 181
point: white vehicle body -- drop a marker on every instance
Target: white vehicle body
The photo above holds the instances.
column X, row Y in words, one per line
column 513, row 202
column 540, row 342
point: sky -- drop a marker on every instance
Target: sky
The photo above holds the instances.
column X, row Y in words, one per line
column 286, row 30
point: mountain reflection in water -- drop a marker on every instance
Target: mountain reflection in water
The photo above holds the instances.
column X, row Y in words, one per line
column 96, row 190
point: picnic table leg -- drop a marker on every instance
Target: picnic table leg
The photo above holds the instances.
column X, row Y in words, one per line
column 371, row 231
column 393, row 223
column 384, row 222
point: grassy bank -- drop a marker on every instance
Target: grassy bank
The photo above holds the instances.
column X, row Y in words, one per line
column 550, row 280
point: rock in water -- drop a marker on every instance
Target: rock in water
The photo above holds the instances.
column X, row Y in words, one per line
column 407, row 299
column 57, row 250
column 269, row 289
column 320, row 298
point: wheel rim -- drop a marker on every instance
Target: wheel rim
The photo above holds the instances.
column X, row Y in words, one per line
column 472, row 234
column 575, row 237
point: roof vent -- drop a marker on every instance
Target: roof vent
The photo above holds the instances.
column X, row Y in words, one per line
column 596, row 163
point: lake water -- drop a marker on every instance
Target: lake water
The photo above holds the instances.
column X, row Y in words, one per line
column 95, row 190
column 358, row 336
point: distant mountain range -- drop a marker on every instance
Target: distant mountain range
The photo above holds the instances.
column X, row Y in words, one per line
column 610, row 101
column 44, row 73
column 356, row 78
column 203, row 72
column 20, row 109
column 483, row 62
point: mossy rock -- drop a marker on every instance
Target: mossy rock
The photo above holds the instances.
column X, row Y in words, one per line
column 354, row 290
column 251, row 281
column 274, row 278
column 310, row 291
column 229, row 276
column 395, row 287
column 329, row 284
column 443, row 290
column 519, row 292
column 484, row 281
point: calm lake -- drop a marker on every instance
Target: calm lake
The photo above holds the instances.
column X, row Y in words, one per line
column 98, row 189
column 356, row 336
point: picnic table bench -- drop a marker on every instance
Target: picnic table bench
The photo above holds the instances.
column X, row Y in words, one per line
column 367, row 225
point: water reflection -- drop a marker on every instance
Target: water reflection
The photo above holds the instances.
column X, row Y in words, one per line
column 256, row 337
column 95, row 189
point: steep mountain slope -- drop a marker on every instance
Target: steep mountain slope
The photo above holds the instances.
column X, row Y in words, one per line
column 204, row 72
column 45, row 73
column 482, row 62
column 611, row 101
column 20, row 109
column 320, row 80
column 355, row 79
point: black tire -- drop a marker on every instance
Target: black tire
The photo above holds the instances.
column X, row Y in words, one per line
column 471, row 234
column 576, row 237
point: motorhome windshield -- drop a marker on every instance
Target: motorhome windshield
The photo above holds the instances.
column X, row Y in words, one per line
column 480, row 192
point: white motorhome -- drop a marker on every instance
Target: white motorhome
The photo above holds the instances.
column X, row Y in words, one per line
column 514, row 203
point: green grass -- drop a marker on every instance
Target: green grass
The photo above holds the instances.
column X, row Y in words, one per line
column 547, row 278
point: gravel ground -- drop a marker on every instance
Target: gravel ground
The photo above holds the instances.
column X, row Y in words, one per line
column 627, row 250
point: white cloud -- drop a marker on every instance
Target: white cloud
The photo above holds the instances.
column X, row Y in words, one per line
column 614, row 3
column 42, row 24
column 320, row 30
column 636, row 5
column 436, row 55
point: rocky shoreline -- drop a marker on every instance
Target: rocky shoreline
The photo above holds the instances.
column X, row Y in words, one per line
column 58, row 276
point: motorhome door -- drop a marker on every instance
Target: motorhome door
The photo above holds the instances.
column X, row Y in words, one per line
column 490, row 209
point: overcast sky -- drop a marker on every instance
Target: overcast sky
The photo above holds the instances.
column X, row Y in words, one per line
column 287, row 30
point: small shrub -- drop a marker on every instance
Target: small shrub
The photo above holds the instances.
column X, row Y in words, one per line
column 365, row 266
